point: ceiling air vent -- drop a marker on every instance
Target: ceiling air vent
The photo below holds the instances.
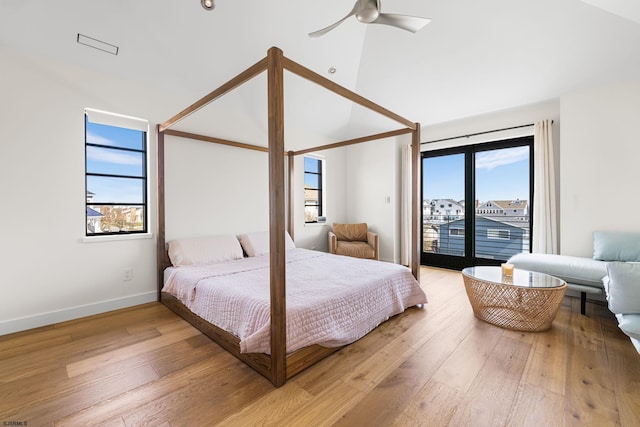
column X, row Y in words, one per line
column 97, row 44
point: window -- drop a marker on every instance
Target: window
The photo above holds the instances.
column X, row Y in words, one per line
column 313, row 190
column 484, row 178
column 115, row 174
column 456, row 232
column 496, row 233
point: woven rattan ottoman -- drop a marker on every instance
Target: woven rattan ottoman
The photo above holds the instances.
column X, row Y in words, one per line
column 525, row 301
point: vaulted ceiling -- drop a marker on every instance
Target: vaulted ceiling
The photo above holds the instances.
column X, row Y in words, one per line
column 473, row 58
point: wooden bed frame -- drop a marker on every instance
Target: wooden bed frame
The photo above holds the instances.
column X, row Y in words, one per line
column 278, row 366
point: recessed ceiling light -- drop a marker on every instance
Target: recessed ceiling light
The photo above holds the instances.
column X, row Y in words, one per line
column 208, row 4
column 97, row 44
column 332, row 70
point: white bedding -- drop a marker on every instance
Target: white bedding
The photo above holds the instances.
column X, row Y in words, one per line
column 332, row 300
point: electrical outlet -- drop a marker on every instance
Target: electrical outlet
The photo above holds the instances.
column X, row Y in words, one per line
column 127, row 274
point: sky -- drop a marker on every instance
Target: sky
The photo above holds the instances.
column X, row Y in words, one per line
column 311, row 165
column 116, row 162
column 500, row 175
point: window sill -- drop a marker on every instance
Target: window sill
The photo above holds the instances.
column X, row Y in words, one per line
column 115, row 237
column 315, row 224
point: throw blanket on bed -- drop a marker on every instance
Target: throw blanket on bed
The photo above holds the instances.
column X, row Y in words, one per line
column 332, row 300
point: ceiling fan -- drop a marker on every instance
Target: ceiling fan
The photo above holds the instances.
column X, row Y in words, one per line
column 368, row 12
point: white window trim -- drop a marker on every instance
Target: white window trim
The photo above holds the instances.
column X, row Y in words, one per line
column 116, row 237
column 121, row 120
column 117, row 120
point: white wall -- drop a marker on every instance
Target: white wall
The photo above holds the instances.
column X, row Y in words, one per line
column 372, row 174
column 314, row 236
column 599, row 164
column 502, row 119
column 214, row 189
column 48, row 273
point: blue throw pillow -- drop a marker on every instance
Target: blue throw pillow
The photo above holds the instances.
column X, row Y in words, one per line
column 616, row 246
column 623, row 287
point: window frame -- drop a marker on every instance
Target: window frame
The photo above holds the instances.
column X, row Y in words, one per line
column 131, row 123
column 321, row 190
column 469, row 151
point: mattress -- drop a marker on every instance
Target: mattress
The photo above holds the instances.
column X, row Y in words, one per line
column 332, row 300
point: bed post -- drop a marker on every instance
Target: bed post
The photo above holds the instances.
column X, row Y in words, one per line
column 290, row 198
column 277, row 269
column 415, row 200
column 160, row 237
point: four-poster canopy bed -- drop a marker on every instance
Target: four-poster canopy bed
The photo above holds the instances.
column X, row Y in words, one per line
column 277, row 365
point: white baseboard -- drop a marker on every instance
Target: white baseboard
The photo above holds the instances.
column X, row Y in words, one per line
column 49, row 318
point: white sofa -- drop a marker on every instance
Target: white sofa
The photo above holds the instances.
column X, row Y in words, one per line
column 622, row 286
column 614, row 270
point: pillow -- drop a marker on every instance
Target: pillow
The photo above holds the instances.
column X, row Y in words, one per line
column 255, row 244
column 204, row 250
column 623, row 287
column 351, row 232
column 616, row 246
column 630, row 325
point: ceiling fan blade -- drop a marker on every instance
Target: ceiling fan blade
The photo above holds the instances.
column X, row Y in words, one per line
column 405, row 22
column 332, row 26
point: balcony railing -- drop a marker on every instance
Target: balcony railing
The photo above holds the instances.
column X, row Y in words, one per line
column 496, row 237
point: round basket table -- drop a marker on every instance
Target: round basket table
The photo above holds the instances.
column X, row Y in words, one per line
column 523, row 301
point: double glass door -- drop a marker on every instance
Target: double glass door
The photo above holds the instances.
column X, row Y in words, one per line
column 476, row 203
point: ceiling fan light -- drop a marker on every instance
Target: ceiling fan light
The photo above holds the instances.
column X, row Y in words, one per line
column 208, row 4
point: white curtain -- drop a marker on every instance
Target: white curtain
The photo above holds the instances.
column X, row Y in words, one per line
column 405, row 206
column 545, row 231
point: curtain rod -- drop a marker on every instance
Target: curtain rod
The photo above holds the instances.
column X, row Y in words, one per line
column 478, row 133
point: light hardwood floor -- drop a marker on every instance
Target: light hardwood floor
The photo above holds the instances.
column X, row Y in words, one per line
column 434, row 367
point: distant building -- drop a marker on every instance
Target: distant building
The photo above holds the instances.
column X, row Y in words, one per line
column 312, row 204
column 443, row 208
column 93, row 216
column 494, row 239
column 101, row 218
column 502, row 227
column 511, row 208
column 93, row 220
column 132, row 215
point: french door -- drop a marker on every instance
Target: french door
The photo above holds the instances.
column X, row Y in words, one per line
column 476, row 203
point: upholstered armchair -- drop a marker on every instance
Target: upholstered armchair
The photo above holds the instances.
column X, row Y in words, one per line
column 353, row 240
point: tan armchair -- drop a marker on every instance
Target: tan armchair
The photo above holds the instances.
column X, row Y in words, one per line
column 353, row 240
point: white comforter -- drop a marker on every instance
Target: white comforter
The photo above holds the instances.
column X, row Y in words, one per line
column 332, row 300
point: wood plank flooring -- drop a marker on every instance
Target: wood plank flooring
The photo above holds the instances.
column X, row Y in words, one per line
column 436, row 366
